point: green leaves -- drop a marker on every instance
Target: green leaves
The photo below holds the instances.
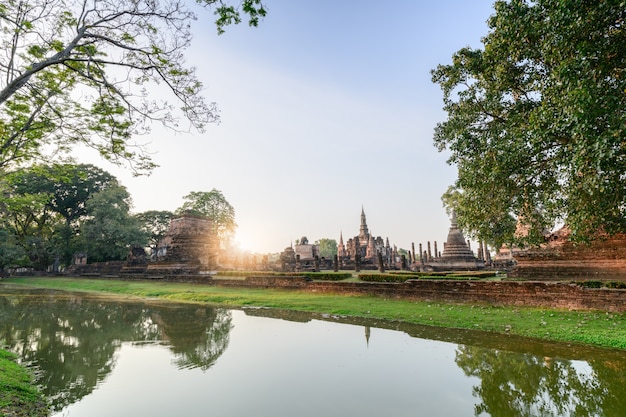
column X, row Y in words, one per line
column 228, row 14
column 82, row 73
column 213, row 205
column 536, row 118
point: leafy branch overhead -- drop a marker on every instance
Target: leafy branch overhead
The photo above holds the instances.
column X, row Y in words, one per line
column 537, row 120
column 99, row 73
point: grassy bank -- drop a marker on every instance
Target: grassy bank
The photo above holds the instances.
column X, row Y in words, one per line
column 18, row 396
column 594, row 328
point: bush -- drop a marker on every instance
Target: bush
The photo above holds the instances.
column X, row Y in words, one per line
column 590, row 284
column 325, row 276
column 475, row 274
column 328, row 276
column 386, row 277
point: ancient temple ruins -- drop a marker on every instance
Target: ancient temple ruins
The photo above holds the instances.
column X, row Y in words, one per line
column 365, row 247
column 456, row 256
column 188, row 247
column 558, row 258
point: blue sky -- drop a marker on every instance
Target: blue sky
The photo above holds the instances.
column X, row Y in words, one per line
column 326, row 107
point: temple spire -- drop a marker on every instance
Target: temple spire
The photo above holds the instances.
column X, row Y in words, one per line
column 363, row 232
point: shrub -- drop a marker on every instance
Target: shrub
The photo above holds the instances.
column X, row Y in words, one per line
column 386, row 277
column 590, row 284
column 325, row 276
column 616, row 284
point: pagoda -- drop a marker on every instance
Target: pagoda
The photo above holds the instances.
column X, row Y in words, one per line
column 457, row 255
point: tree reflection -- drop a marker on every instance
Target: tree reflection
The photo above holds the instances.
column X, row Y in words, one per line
column 519, row 384
column 195, row 344
column 72, row 340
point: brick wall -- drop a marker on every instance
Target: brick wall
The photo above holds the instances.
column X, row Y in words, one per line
column 564, row 260
column 511, row 293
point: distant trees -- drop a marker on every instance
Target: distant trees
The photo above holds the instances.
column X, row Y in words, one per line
column 49, row 212
column 156, row 224
column 327, row 247
column 109, row 229
column 536, row 121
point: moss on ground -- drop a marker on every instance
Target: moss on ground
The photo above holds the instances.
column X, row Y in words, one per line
column 18, row 396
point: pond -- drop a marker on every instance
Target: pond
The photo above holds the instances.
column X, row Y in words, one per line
column 103, row 357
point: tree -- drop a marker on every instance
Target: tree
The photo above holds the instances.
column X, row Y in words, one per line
column 156, row 223
column 110, row 230
column 327, row 247
column 27, row 218
column 213, row 205
column 11, row 253
column 44, row 204
column 537, row 118
column 69, row 186
column 496, row 227
column 81, row 71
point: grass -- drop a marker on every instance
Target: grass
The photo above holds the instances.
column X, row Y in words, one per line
column 586, row 327
column 18, row 396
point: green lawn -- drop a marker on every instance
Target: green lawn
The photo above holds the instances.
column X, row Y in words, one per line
column 587, row 327
column 18, row 396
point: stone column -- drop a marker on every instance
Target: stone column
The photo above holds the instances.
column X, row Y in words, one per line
column 421, row 254
column 436, row 251
column 430, row 256
column 335, row 263
column 381, row 265
column 298, row 265
column 413, row 251
column 486, row 252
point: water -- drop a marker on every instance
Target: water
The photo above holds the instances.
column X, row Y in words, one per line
column 98, row 357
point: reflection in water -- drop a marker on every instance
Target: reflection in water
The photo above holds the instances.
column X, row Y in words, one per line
column 73, row 340
column 518, row 384
column 76, row 342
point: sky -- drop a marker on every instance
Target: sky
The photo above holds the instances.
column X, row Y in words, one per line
column 326, row 108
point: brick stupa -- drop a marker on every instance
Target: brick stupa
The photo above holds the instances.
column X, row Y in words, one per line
column 456, row 256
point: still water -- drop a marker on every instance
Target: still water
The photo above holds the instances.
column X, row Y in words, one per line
column 98, row 357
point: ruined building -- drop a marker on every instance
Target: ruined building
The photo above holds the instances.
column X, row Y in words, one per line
column 188, row 247
column 365, row 246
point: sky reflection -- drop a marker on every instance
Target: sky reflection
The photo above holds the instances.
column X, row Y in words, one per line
column 280, row 368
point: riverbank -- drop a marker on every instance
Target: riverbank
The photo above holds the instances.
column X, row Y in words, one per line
column 18, row 396
column 596, row 328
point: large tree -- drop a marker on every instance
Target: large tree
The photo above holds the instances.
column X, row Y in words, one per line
column 110, row 230
column 44, row 206
column 82, row 71
column 537, row 119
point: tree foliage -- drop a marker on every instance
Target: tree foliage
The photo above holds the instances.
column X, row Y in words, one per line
column 110, row 230
column 91, row 71
column 156, row 224
column 536, row 119
column 213, row 205
column 43, row 211
column 45, row 204
column 327, row 247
